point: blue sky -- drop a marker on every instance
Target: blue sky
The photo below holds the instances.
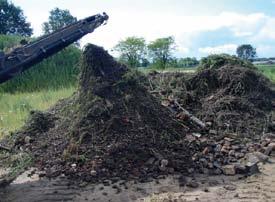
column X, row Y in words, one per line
column 200, row 27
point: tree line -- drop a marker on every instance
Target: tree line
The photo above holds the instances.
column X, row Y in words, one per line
column 135, row 52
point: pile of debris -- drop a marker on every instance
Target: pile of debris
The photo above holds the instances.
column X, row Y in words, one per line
column 112, row 127
column 228, row 111
column 231, row 99
column 121, row 125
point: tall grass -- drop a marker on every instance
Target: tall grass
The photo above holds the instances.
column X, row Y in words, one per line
column 56, row 72
column 268, row 71
column 15, row 108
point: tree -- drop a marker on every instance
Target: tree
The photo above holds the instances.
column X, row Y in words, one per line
column 132, row 50
column 246, row 52
column 187, row 62
column 160, row 51
column 58, row 18
column 12, row 20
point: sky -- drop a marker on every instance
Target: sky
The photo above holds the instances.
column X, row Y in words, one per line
column 200, row 27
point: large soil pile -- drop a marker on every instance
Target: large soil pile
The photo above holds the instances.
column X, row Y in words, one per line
column 232, row 99
column 122, row 125
column 112, row 127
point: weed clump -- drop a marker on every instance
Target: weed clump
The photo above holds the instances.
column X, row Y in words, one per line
column 217, row 61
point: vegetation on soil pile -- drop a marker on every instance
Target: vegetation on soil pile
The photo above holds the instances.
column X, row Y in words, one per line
column 232, row 98
column 218, row 61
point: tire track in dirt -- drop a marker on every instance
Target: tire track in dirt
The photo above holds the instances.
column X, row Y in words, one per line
column 256, row 188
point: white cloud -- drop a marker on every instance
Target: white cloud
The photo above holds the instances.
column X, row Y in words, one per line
column 144, row 18
column 268, row 30
column 184, row 28
column 226, row 48
column 244, row 25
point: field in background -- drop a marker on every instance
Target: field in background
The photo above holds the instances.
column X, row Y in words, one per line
column 268, row 71
column 15, row 108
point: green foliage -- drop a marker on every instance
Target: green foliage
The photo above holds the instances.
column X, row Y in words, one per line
column 246, row 52
column 132, row 51
column 160, row 51
column 12, row 20
column 58, row 18
column 218, row 61
column 187, row 62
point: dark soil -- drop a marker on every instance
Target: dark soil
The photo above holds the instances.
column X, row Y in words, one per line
column 112, row 127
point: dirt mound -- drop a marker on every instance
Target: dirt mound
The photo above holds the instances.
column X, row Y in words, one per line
column 112, row 127
column 231, row 98
column 121, row 125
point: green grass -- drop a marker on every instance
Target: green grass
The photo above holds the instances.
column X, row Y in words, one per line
column 268, row 71
column 15, row 108
column 56, row 72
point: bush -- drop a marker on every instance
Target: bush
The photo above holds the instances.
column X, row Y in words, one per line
column 218, row 61
column 59, row 71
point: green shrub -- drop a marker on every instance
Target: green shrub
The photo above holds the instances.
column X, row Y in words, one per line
column 218, row 61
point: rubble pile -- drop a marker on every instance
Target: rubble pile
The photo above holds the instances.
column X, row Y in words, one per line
column 235, row 103
column 111, row 128
column 122, row 125
column 232, row 99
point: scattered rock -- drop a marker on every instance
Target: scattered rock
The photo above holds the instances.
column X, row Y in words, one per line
column 205, row 151
column 240, row 168
column 213, row 132
column 28, row 140
column 206, row 189
column 270, row 148
column 192, row 184
column 230, row 187
column 93, row 173
column 164, row 162
column 262, row 157
column 229, row 170
column 252, row 168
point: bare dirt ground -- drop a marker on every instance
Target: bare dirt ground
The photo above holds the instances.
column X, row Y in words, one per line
column 256, row 188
